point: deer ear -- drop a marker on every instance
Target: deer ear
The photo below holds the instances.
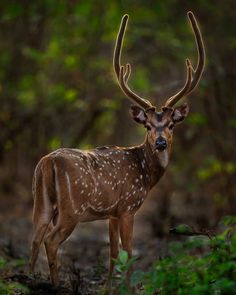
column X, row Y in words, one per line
column 180, row 113
column 138, row 114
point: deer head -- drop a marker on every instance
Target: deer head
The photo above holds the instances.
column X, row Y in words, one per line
column 159, row 124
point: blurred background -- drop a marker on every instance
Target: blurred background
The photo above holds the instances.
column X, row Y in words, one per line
column 58, row 89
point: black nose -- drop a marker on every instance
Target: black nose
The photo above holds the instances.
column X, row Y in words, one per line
column 161, row 143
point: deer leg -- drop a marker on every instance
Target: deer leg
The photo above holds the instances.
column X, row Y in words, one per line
column 126, row 234
column 41, row 227
column 37, row 239
column 114, row 242
column 53, row 240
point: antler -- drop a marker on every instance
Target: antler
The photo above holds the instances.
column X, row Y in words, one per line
column 123, row 72
column 193, row 75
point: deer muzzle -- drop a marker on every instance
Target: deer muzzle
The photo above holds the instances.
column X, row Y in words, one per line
column 161, row 143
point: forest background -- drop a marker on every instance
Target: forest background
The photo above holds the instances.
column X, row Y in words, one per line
column 58, row 89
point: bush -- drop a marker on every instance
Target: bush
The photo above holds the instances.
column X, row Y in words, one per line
column 197, row 266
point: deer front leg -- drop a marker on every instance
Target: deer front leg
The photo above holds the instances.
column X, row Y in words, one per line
column 114, row 242
column 126, row 234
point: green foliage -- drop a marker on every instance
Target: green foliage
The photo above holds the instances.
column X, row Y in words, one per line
column 197, row 266
column 9, row 288
column 122, row 266
column 228, row 220
column 183, row 229
column 214, row 167
column 54, row 143
column 197, row 119
column 15, row 263
column 12, row 288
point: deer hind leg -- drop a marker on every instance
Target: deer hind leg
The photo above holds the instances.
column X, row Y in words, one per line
column 54, row 239
column 42, row 217
column 37, row 239
column 114, row 242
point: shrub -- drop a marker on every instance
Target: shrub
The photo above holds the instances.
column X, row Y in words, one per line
column 197, row 266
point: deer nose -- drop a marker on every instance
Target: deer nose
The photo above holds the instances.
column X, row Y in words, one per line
column 161, row 143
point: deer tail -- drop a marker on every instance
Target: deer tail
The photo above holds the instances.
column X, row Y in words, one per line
column 44, row 211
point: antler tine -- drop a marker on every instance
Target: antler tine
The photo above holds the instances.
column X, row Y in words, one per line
column 119, row 43
column 174, row 99
column 127, row 72
column 145, row 104
column 123, row 73
column 193, row 76
column 201, row 51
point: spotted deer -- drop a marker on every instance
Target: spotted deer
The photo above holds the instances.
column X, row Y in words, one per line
column 72, row 186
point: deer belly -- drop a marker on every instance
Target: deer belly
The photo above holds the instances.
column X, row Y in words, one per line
column 97, row 209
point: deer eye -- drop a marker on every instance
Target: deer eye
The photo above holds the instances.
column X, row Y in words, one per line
column 171, row 125
column 148, row 126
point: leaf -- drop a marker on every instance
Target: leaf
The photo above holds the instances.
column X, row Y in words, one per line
column 228, row 220
column 123, row 257
column 183, row 229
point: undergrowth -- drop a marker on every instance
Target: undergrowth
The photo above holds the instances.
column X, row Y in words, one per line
column 10, row 287
column 199, row 265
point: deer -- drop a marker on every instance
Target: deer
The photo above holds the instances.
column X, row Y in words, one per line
column 71, row 186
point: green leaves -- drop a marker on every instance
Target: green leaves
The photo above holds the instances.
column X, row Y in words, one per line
column 122, row 266
column 183, row 229
column 214, row 167
column 197, row 266
column 12, row 11
column 197, row 119
column 9, row 288
column 123, row 257
column 228, row 220
column 13, row 288
column 123, row 263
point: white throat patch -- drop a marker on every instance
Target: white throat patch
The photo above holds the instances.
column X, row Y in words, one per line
column 163, row 158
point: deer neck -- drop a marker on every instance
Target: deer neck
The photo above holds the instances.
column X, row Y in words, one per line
column 155, row 162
